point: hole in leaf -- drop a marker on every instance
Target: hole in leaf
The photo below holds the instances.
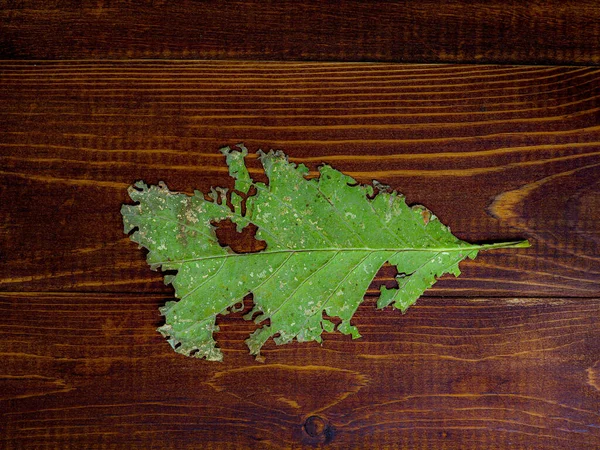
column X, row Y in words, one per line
column 237, row 307
column 251, row 192
column 244, row 242
column 133, row 230
column 336, row 321
column 169, row 276
column 242, row 307
column 234, row 330
column 228, row 201
column 386, row 276
column 265, row 322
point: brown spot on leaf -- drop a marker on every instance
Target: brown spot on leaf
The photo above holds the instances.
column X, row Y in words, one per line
column 426, row 215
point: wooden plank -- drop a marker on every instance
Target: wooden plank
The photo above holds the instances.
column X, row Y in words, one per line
column 496, row 152
column 548, row 32
column 89, row 371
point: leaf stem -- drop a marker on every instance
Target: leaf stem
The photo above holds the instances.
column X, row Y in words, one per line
column 513, row 244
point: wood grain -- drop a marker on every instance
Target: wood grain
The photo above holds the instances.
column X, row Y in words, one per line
column 89, row 371
column 496, row 152
column 506, row 356
column 540, row 32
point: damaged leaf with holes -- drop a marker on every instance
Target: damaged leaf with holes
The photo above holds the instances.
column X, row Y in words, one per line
column 326, row 238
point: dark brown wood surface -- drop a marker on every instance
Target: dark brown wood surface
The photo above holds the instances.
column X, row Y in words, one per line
column 500, row 31
column 506, row 356
column 89, row 371
column 496, row 152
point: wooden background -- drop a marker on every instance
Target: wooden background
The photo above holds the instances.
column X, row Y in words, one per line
column 504, row 145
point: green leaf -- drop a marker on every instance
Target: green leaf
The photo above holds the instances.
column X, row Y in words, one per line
column 326, row 239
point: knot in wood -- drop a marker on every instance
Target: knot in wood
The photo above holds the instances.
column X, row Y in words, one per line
column 318, row 428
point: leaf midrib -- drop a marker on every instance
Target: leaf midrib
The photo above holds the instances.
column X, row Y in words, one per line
column 462, row 248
